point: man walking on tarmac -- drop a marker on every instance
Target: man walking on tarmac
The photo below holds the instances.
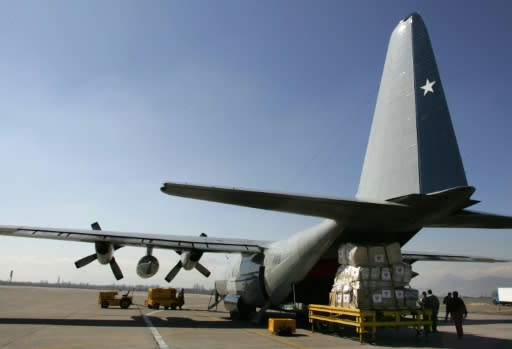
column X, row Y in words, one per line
column 432, row 302
column 457, row 309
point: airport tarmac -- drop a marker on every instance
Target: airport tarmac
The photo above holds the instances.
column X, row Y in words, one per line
column 58, row 318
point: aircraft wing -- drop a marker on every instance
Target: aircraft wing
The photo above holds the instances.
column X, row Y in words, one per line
column 174, row 242
column 473, row 219
column 291, row 203
column 411, row 257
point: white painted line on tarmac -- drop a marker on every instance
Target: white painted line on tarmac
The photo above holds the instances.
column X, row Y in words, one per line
column 154, row 332
column 153, row 312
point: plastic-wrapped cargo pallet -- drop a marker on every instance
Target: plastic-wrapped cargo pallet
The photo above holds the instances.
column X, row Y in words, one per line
column 369, row 255
column 372, row 277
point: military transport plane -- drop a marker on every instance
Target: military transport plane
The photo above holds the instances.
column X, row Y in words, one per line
column 412, row 178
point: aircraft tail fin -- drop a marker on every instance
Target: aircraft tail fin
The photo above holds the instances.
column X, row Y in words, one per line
column 412, row 146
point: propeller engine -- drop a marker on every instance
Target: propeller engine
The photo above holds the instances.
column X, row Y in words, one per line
column 147, row 265
column 104, row 254
column 188, row 261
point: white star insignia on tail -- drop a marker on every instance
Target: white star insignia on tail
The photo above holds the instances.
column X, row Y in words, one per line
column 428, row 87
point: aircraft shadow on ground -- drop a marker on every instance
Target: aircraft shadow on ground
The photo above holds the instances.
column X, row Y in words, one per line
column 408, row 337
column 180, row 322
column 138, row 321
column 135, row 321
column 439, row 340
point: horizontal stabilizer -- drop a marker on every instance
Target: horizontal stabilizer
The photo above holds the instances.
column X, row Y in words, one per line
column 411, row 257
column 291, row 203
column 472, row 219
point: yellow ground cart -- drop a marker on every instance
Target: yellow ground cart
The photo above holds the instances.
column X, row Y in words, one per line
column 367, row 321
column 282, row 326
column 165, row 297
column 110, row 299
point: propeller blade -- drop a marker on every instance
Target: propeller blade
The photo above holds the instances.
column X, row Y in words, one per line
column 86, row 260
column 202, row 269
column 96, row 226
column 174, row 271
column 115, row 269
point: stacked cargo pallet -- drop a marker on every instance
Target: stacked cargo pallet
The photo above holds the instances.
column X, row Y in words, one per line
column 373, row 277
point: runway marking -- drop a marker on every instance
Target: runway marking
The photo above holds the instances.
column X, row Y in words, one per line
column 154, row 332
column 276, row 339
column 153, row 312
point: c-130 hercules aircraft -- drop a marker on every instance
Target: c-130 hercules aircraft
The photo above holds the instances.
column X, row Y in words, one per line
column 412, row 178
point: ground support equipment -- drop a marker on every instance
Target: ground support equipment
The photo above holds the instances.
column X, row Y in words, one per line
column 367, row 321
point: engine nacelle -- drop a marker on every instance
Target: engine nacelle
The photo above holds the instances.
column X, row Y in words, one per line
column 147, row 266
column 189, row 259
column 104, row 251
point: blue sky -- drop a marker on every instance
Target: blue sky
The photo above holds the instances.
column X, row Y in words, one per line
column 104, row 101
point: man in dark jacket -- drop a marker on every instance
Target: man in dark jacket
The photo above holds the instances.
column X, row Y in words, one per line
column 431, row 303
column 457, row 309
column 446, row 300
column 181, row 298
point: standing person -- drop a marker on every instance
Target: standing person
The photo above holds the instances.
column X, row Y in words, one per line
column 422, row 300
column 426, row 303
column 181, row 298
column 433, row 302
column 446, row 300
column 458, row 310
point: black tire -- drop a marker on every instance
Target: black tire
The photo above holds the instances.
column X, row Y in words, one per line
column 173, row 306
column 156, row 306
column 104, row 304
column 245, row 311
column 149, row 306
column 124, row 303
column 166, row 308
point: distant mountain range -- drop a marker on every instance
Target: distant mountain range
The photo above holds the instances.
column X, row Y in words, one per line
column 481, row 287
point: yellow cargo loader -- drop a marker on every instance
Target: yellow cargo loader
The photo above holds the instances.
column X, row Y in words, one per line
column 367, row 321
column 110, row 299
column 165, row 297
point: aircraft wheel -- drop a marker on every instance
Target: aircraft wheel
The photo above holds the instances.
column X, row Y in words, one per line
column 173, row 306
column 156, row 306
column 104, row 304
column 245, row 311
